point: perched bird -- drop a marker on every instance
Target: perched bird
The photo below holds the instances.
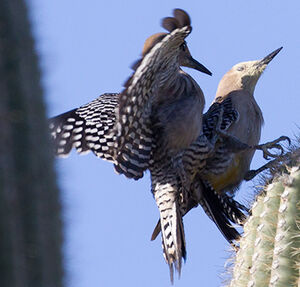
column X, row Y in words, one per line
column 139, row 129
column 214, row 184
column 226, row 169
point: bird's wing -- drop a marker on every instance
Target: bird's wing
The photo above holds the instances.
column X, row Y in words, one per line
column 230, row 115
column 88, row 128
column 133, row 127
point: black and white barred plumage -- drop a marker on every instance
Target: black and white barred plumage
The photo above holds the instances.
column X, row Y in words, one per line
column 153, row 121
column 129, row 131
column 88, row 128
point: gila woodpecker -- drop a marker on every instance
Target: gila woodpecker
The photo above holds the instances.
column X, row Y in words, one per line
column 158, row 114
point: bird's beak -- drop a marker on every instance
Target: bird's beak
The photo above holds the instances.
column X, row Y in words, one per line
column 266, row 60
column 194, row 64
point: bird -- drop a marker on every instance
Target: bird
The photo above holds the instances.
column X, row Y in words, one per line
column 155, row 117
column 237, row 87
column 167, row 115
column 230, row 164
column 214, row 184
column 91, row 127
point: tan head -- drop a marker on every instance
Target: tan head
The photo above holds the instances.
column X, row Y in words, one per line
column 244, row 76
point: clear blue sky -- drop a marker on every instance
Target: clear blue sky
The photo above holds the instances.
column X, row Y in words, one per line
column 86, row 48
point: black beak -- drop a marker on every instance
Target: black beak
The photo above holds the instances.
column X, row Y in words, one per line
column 192, row 63
column 266, row 60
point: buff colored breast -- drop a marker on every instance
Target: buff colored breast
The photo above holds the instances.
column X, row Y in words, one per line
column 230, row 177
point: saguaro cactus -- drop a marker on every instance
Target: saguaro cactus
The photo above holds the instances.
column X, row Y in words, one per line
column 269, row 253
column 30, row 224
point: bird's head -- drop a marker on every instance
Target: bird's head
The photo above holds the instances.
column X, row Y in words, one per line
column 185, row 59
column 245, row 75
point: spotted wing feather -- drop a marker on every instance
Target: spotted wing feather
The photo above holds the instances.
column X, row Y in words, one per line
column 88, row 128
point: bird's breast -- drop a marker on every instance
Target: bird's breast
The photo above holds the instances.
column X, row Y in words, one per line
column 232, row 176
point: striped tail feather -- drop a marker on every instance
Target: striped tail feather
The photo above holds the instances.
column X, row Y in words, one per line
column 165, row 190
column 223, row 210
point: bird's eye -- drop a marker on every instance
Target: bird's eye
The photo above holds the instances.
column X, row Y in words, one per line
column 240, row 68
column 183, row 46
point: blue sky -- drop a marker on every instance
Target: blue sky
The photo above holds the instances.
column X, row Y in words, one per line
column 86, row 49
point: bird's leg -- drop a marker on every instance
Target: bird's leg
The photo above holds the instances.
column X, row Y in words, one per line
column 266, row 154
column 270, row 145
column 254, row 172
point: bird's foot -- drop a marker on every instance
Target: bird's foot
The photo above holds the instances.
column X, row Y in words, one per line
column 266, row 154
column 254, row 172
column 272, row 145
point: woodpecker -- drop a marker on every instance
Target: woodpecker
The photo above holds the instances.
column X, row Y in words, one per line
column 214, row 183
column 167, row 115
column 139, row 128
column 230, row 163
column 226, row 169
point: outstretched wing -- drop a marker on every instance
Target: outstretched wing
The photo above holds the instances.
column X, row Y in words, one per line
column 88, row 128
column 134, row 134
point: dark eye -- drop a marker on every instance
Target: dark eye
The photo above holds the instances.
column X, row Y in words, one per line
column 183, row 47
column 241, row 68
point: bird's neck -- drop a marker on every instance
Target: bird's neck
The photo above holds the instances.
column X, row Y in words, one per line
column 179, row 85
column 168, row 77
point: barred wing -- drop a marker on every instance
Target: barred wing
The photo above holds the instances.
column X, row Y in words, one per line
column 230, row 115
column 88, row 128
column 133, row 127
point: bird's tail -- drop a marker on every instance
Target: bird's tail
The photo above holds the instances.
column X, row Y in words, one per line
column 165, row 189
column 222, row 210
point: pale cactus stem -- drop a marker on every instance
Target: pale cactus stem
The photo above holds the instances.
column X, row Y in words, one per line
column 244, row 256
column 269, row 253
column 285, row 266
column 264, row 242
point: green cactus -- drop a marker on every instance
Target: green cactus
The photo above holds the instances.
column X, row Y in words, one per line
column 30, row 217
column 269, row 253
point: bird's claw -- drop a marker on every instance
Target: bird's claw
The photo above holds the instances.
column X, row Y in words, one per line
column 250, row 175
column 273, row 145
